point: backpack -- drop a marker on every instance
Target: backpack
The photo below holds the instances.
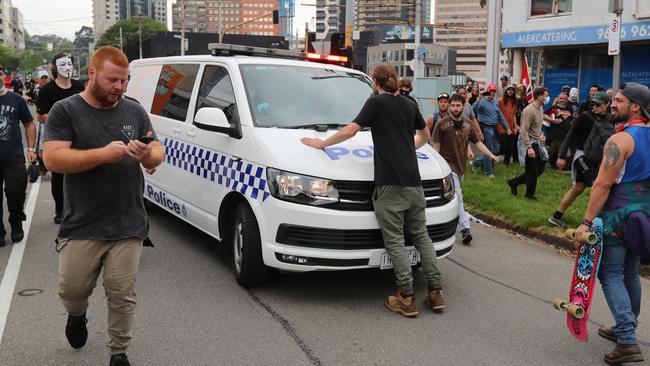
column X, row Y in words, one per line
column 601, row 131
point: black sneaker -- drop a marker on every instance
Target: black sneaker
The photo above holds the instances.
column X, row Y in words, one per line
column 17, row 233
column 120, row 359
column 466, row 236
column 513, row 187
column 531, row 198
column 558, row 222
column 76, row 331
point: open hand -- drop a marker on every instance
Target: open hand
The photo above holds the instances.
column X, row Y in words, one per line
column 313, row 142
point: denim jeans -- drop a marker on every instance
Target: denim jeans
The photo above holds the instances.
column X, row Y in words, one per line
column 463, row 216
column 619, row 276
column 490, row 140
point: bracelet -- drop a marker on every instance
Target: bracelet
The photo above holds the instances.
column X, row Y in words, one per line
column 587, row 222
column 32, row 149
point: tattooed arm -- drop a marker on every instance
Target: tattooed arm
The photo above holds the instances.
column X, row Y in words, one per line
column 618, row 148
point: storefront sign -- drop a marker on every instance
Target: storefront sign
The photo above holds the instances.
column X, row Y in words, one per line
column 580, row 35
column 555, row 79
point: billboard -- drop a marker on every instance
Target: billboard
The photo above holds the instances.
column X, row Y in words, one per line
column 403, row 33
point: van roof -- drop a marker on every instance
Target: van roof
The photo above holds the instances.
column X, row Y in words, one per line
column 239, row 60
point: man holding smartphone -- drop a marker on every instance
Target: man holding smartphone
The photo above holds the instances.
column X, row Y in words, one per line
column 92, row 138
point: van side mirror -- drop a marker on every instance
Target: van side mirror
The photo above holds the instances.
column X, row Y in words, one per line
column 213, row 119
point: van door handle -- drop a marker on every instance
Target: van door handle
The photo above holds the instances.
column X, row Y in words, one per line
column 177, row 130
column 191, row 134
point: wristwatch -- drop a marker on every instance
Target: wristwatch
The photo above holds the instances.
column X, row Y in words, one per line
column 31, row 149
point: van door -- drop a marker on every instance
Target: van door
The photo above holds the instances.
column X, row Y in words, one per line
column 213, row 160
column 169, row 112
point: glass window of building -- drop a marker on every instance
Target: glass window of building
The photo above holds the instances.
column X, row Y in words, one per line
column 549, row 7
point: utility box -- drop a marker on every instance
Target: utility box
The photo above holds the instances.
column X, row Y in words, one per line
column 426, row 91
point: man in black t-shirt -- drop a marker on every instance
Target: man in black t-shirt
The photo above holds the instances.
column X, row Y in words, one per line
column 63, row 86
column 13, row 111
column 398, row 197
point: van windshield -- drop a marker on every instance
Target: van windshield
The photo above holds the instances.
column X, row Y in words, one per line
column 288, row 96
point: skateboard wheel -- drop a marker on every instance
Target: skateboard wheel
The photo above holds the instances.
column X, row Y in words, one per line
column 559, row 304
column 576, row 311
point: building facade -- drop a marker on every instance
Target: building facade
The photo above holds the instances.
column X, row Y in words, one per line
column 251, row 9
column 330, row 17
column 470, row 45
column 108, row 12
column 12, row 29
column 438, row 61
column 572, row 36
column 194, row 18
column 369, row 14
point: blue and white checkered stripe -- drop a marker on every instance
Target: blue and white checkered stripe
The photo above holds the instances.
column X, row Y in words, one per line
column 246, row 178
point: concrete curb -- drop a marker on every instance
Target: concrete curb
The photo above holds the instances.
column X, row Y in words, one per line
column 556, row 241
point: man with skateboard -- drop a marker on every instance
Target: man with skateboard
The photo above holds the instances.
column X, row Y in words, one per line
column 622, row 187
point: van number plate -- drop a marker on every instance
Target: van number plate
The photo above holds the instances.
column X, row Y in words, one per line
column 387, row 263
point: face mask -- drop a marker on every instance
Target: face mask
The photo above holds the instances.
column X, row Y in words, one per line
column 64, row 67
column 547, row 100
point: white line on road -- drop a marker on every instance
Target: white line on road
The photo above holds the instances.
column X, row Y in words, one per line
column 10, row 277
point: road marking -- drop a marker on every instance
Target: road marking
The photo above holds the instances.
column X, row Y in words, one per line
column 10, row 277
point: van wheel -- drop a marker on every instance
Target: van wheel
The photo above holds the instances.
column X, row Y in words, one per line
column 247, row 249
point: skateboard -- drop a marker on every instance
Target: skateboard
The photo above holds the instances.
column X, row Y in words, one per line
column 583, row 280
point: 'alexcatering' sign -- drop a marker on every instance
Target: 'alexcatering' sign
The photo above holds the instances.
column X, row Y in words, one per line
column 569, row 36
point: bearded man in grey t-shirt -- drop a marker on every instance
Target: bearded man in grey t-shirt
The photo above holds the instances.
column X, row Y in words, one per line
column 92, row 138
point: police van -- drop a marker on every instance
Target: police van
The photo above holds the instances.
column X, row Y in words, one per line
column 235, row 168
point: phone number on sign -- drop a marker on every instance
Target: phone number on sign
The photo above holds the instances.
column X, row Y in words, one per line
column 636, row 31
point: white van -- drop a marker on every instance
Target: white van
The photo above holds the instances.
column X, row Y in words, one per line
column 235, row 168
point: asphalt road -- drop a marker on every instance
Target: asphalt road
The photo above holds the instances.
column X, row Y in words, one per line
column 191, row 311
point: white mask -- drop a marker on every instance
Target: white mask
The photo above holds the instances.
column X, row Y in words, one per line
column 64, row 67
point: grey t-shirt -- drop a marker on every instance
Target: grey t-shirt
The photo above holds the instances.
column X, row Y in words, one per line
column 103, row 203
column 468, row 111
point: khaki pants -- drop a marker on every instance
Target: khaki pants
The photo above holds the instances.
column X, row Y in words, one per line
column 398, row 209
column 80, row 262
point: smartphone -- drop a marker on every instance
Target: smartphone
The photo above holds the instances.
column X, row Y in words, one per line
column 145, row 139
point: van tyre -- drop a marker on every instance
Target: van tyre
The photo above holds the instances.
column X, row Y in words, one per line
column 247, row 249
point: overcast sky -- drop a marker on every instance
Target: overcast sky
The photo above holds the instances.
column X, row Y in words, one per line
column 64, row 17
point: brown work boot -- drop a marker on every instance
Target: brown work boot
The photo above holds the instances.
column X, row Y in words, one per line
column 402, row 305
column 624, row 353
column 608, row 333
column 436, row 302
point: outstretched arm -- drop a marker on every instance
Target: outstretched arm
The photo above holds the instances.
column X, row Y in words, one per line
column 345, row 133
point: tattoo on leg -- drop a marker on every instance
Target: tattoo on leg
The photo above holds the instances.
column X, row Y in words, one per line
column 612, row 154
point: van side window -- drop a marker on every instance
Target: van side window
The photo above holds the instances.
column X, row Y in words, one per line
column 174, row 90
column 216, row 91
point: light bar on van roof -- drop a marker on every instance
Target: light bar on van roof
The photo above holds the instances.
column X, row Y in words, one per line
column 222, row 49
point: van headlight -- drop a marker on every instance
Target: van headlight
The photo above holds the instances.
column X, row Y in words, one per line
column 301, row 188
column 448, row 187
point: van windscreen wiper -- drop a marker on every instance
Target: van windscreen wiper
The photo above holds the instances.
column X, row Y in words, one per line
column 321, row 127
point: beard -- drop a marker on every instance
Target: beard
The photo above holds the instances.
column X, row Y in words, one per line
column 617, row 116
column 104, row 98
column 456, row 115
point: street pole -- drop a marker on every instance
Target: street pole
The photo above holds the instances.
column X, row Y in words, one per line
column 493, row 41
column 182, row 27
column 416, row 53
column 140, row 31
column 616, row 76
column 121, row 39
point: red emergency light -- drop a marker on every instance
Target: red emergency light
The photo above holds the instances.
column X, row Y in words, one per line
column 331, row 58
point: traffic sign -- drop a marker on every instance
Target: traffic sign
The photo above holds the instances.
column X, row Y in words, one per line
column 614, row 36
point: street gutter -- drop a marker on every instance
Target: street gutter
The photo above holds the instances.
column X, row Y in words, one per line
column 557, row 241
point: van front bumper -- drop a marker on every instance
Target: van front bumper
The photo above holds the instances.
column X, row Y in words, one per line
column 303, row 238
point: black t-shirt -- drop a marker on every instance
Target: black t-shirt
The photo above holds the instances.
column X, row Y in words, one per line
column 18, row 86
column 393, row 121
column 103, row 203
column 51, row 93
column 13, row 110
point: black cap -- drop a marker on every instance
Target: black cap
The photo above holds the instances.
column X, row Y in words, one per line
column 638, row 94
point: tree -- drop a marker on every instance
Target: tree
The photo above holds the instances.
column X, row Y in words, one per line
column 130, row 35
column 8, row 58
column 83, row 37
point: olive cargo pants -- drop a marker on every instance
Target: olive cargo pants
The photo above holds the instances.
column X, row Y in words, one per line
column 80, row 262
column 398, row 209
